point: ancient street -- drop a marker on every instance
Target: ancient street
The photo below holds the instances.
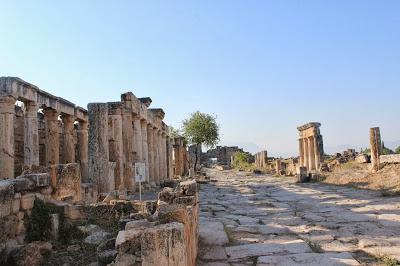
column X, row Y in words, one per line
column 249, row 219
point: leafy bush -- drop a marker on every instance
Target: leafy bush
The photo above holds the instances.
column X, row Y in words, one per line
column 397, row 150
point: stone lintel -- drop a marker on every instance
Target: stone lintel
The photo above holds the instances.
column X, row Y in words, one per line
column 309, row 125
column 158, row 112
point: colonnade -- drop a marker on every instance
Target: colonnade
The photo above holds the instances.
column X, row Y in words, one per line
column 310, row 146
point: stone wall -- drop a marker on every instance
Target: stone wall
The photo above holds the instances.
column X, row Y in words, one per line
column 169, row 235
column 223, row 154
column 391, row 158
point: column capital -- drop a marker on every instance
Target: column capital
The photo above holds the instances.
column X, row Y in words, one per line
column 7, row 104
column 83, row 125
column 51, row 114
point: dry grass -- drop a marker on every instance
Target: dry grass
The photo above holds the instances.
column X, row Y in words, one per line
column 386, row 180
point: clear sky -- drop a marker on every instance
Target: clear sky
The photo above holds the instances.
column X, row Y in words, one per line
column 263, row 67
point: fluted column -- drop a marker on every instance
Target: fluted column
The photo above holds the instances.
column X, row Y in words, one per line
column 52, row 136
column 306, row 154
column 301, row 152
column 69, row 145
column 31, row 134
column 160, row 150
column 311, row 153
column 164, row 156
column 127, row 139
column 145, row 149
column 116, row 146
column 7, row 114
column 137, row 139
column 83, row 145
column 317, row 153
column 150, row 140
column 99, row 164
column 156, row 157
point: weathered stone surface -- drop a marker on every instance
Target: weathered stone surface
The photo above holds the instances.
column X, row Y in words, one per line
column 362, row 158
column 96, row 238
column 391, row 158
column 213, row 234
column 66, row 182
column 310, row 259
column 38, row 179
column 31, row 254
column 266, row 249
column 27, row 201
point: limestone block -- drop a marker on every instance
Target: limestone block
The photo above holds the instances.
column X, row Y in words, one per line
column 40, row 179
column 66, row 182
column 302, row 175
column 5, row 209
column 188, row 188
column 16, row 203
column 27, row 201
column 22, row 184
column 391, row 158
column 363, row 158
column 73, row 212
column 128, row 241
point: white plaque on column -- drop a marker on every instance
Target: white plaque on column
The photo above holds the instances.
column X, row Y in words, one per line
column 140, row 172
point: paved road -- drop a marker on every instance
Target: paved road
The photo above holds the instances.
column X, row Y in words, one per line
column 263, row 220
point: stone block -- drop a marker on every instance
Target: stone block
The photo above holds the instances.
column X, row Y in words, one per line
column 6, row 190
column 73, row 212
column 16, row 203
column 390, row 158
column 22, row 184
column 66, row 182
column 5, row 208
column 40, row 180
column 302, row 175
column 188, row 188
column 27, row 201
column 363, row 158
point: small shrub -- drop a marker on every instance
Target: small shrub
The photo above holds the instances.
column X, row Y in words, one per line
column 38, row 222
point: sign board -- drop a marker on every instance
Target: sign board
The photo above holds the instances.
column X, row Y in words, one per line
column 140, row 172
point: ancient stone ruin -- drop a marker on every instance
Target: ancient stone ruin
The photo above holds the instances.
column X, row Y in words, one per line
column 261, row 159
column 311, row 146
column 79, row 162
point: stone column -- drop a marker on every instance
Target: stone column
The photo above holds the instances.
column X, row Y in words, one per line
column 160, row 150
column 317, row 153
column 99, row 172
column 156, row 157
column 278, row 166
column 145, row 149
column 376, row 147
column 69, row 145
column 305, row 154
column 116, row 146
column 169, row 158
column 137, row 139
column 150, row 140
column 164, row 156
column 52, row 136
column 83, row 145
column 301, row 152
column 127, row 139
column 31, row 134
column 7, row 114
column 311, row 153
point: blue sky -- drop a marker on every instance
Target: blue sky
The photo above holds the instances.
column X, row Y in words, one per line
column 263, row 67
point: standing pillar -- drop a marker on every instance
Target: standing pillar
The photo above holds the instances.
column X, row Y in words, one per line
column 301, row 152
column 164, row 156
column 116, row 146
column 52, row 136
column 69, row 145
column 7, row 114
column 127, row 139
column 317, row 153
column 150, row 140
column 306, row 154
column 137, row 139
column 169, row 158
column 145, row 149
column 83, row 145
column 31, row 134
column 311, row 153
column 99, row 172
column 156, row 157
column 376, row 147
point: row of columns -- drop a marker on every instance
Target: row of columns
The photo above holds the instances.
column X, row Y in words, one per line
column 310, row 155
column 261, row 159
column 119, row 136
column 31, row 137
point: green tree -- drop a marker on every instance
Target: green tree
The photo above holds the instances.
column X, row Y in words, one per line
column 240, row 159
column 201, row 129
column 397, row 150
column 174, row 133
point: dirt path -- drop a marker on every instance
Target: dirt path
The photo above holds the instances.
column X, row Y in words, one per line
column 262, row 220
